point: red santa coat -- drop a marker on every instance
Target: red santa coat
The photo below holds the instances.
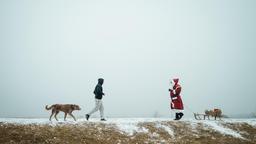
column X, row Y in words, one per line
column 176, row 102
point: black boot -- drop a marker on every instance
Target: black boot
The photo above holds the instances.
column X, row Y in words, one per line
column 180, row 115
column 176, row 116
column 103, row 119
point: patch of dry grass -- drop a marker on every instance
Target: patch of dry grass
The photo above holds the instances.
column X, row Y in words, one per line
column 102, row 133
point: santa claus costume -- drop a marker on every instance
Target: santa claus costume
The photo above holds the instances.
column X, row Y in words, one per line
column 176, row 101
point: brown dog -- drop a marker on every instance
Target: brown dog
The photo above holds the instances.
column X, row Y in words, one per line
column 66, row 108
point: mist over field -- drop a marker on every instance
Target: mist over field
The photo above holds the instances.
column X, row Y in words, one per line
column 54, row 52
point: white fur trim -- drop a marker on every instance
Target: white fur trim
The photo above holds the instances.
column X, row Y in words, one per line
column 177, row 110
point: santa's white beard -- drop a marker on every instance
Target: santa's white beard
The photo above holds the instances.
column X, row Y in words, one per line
column 172, row 84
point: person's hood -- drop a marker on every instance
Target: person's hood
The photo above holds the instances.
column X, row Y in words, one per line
column 100, row 81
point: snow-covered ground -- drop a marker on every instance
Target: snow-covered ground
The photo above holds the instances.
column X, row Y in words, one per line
column 130, row 125
column 117, row 120
column 127, row 130
column 121, row 121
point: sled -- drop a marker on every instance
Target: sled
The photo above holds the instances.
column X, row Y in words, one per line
column 198, row 116
column 214, row 113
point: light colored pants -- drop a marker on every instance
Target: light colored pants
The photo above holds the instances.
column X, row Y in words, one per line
column 98, row 106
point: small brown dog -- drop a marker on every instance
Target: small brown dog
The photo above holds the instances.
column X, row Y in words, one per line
column 66, row 108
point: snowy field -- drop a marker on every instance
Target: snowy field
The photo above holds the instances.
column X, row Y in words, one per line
column 130, row 125
column 130, row 130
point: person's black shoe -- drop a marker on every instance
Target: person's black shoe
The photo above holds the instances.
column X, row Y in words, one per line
column 87, row 116
column 176, row 116
column 180, row 115
column 103, row 119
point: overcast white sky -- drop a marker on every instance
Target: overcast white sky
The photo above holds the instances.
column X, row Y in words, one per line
column 53, row 51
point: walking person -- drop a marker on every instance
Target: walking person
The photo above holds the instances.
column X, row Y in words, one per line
column 98, row 92
column 176, row 101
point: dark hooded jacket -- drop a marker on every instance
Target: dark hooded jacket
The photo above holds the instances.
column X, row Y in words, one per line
column 98, row 91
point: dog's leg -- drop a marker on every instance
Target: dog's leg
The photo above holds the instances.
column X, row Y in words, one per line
column 72, row 116
column 56, row 115
column 65, row 116
column 51, row 115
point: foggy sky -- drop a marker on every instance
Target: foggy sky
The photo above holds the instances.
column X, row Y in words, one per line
column 53, row 51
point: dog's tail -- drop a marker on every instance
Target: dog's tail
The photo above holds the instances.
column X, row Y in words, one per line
column 48, row 108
